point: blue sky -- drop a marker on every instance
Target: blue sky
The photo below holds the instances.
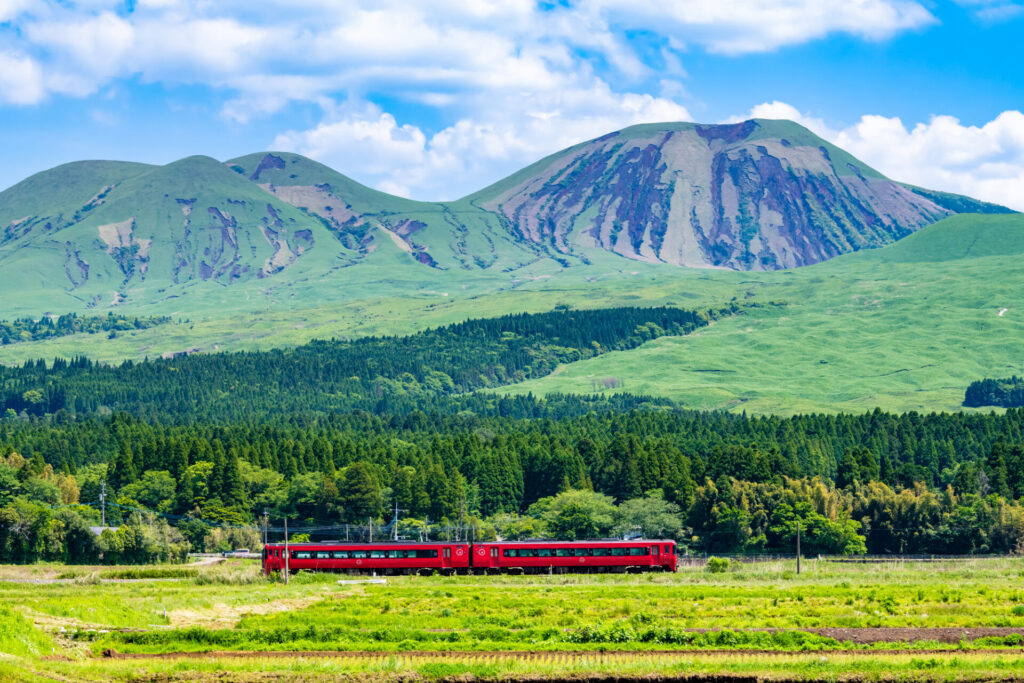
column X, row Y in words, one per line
column 436, row 99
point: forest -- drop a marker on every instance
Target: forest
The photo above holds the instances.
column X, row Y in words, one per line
column 47, row 327
column 341, row 437
column 1005, row 393
column 377, row 374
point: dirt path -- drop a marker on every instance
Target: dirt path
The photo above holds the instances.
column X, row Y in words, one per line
column 226, row 616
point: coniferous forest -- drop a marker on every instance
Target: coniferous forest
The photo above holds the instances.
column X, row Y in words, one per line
column 1006, row 393
column 343, row 436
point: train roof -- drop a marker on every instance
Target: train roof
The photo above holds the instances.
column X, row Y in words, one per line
column 542, row 541
column 369, row 543
column 548, row 541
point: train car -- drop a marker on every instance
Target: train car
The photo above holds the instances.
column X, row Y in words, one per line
column 536, row 557
column 381, row 558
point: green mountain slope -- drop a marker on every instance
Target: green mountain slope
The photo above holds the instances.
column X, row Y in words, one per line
column 158, row 234
column 906, row 327
column 278, row 228
column 875, row 328
column 438, row 235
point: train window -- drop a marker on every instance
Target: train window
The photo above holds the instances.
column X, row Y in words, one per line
column 510, row 552
column 563, row 552
column 301, row 555
column 665, row 550
column 359, row 553
column 638, row 551
column 322, row 555
column 581, row 552
column 378, row 553
column 545, row 552
column 618, row 552
column 340, row 554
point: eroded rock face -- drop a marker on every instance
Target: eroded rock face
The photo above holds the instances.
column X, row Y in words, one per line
column 720, row 196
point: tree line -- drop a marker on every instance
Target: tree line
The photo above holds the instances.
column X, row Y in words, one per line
column 48, row 327
column 1006, row 393
column 377, row 374
column 732, row 483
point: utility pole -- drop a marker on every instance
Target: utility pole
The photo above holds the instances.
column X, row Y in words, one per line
column 286, row 551
column 394, row 522
column 103, row 503
column 266, row 523
column 798, row 546
column 371, row 528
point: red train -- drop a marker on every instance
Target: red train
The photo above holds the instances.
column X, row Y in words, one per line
column 511, row 557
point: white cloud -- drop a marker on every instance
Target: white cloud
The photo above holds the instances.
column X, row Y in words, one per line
column 11, row 9
column 994, row 10
column 985, row 162
column 504, row 135
column 21, row 79
column 745, row 26
column 446, row 45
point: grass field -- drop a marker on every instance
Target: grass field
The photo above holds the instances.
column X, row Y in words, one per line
column 59, row 621
column 903, row 328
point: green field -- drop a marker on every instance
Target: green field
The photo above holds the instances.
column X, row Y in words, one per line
column 906, row 327
column 58, row 621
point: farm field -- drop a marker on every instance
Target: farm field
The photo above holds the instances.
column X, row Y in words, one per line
column 956, row 620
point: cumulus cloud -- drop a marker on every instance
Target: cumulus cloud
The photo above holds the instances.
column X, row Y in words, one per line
column 745, row 26
column 446, row 45
column 510, row 132
column 985, row 162
column 20, row 79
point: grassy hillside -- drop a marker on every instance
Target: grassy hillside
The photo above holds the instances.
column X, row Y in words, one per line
column 907, row 327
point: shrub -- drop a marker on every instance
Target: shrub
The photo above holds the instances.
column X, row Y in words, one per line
column 718, row 565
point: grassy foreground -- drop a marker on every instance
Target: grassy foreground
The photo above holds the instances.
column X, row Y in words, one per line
column 58, row 621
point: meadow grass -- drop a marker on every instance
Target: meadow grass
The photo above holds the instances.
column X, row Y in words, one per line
column 231, row 607
column 906, row 327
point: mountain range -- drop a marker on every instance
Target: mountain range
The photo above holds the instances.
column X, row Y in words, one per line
column 756, row 195
column 856, row 290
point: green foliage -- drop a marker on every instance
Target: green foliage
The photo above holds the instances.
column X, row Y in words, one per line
column 718, row 565
column 376, row 374
column 575, row 514
column 48, row 327
column 1007, row 393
